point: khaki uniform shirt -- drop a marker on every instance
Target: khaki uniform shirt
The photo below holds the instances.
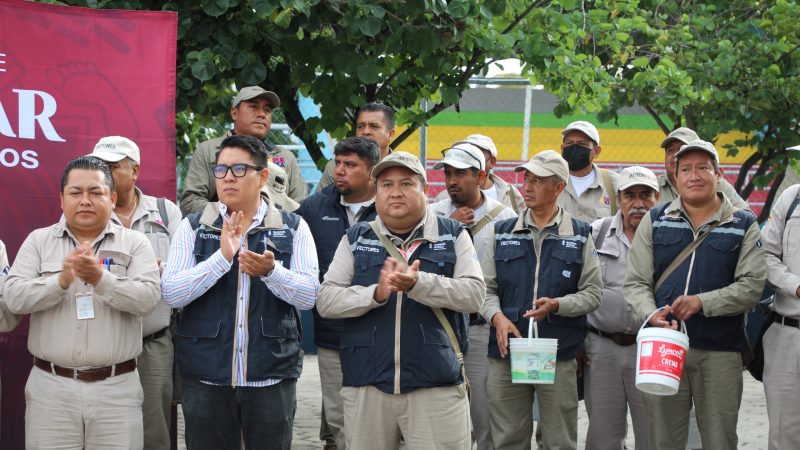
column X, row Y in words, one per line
column 482, row 237
column 7, row 320
column 594, row 202
column 123, row 295
column 614, row 315
column 147, row 219
column 464, row 292
column 739, row 296
column 668, row 192
column 781, row 236
column 590, row 285
column 200, row 188
column 507, row 194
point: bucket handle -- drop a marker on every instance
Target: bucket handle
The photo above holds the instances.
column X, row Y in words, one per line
column 533, row 329
column 683, row 324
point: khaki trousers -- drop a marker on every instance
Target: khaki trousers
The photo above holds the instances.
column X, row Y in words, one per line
column 65, row 414
column 510, row 405
column 610, row 388
column 155, row 374
column 713, row 382
column 330, row 376
column 782, row 385
column 432, row 418
column 476, row 364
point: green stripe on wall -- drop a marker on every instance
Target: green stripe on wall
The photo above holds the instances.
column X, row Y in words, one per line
column 538, row 120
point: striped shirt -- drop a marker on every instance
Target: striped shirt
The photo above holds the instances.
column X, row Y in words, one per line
column 184, row 281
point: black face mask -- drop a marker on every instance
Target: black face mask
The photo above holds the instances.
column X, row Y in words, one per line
column 577, row 157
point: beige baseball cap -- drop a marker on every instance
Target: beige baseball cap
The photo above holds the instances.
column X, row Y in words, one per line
column 635, row 176
column 698, row 144
column 682, row 134
column 481, row 141
column 584, row 127
column 115, row 148
column 400, row 159
column 251, row 92
column 462, row 156
column 547, row 163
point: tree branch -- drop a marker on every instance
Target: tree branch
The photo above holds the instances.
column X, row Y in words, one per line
column 658, row 120
column 751, row 185
column 772, row 192
column 744, row 170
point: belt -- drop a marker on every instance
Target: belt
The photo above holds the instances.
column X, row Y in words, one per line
column 476, row 319
column 788, row 321
column 623, row 339
column 153, row 336
column 93, row 374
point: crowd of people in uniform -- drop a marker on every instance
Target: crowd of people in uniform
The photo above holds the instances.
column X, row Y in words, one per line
column 414, row 301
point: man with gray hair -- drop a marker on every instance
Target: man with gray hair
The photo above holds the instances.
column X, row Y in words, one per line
column 610, row 345
column 158, row 219
column 667, row 182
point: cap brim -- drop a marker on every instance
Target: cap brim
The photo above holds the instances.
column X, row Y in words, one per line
column 271, row 97
column 671, row 138
column 637, row 183
column 108, row 156
column 383, row 165
column 536, row 170
column 456, row 164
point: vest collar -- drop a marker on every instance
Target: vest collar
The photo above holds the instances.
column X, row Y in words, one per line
column 724, row 214
column 562, row 220
column 429, row 225
column 272, row 219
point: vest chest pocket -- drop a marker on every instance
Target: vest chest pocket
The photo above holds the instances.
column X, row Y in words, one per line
column 508, row 251
column 367, row 268
column 283, row 328
column 353, row 340
column 439, row 262
column 196, row 330
column 724, row 243
column 666, row 237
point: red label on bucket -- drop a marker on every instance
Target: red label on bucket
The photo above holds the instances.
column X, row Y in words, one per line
column 661, row 358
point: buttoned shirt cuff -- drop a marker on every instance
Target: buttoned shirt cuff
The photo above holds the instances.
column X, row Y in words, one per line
column 276, row 276
column 218, row 265
column 707, row 300
column 489, row 312
column 789, row 284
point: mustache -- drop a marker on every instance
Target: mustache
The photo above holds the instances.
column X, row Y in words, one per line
column 641, row 211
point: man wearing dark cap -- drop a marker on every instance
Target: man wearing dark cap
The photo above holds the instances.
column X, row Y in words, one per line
column 404, row 328
column 251, row 113
column 666, row 181
column 710, row 288
column 541, row 265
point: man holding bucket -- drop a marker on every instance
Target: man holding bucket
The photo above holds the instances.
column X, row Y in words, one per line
column 700, row 259
column 610, row 385
column 541, row 266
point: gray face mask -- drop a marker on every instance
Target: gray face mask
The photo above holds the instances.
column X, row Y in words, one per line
column 577, row 157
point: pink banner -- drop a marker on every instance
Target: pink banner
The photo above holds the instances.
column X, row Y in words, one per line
column 69, row 76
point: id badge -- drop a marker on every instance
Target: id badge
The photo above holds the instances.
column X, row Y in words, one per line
column 85, row 305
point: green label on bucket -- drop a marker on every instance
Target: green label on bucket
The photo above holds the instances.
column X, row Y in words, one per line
column 527, row 366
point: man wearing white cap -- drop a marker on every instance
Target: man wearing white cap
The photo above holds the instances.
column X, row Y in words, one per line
column 610, row 377
column 251, row 112
column 700, row 259
column 589, row 194
column 158, row 219
column 464, row 172
column 402, row 284
column 541, row 265
column 782, row 339
column 492, row 185
column 666, row 181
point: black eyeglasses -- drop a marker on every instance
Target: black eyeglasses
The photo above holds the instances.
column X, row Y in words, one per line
column 238, row 170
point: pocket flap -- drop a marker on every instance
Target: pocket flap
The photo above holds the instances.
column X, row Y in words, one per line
column 283, row 328
column 508, row 252
column 50, row 267
column 197, row 329
column 434, row 336
column 364, row 338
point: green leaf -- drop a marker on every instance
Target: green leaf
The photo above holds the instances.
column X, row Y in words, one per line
column 214, row 8
column 370, row 26
column 368, row 73
column 264, row 8
column 284, row 18
column 458, row 9
column 640, row 62
column 253, row 73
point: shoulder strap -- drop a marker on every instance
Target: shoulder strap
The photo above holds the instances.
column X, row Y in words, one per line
column 609, row 184
column 792, row 207
column 395, row 253
column 162, row 210
column 601, row 236
column 486, row 219
column 682, row 256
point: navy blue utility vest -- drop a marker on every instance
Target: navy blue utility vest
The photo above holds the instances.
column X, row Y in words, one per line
column 205, row 336
column 714, row 266
column 327, row 219
column 427, row 358
column 559, row 272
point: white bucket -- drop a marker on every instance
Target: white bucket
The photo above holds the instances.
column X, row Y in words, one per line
column 660, row 355
column 533, row 360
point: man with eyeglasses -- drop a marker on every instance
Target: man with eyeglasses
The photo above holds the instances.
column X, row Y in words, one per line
column 251, row 113
column 589, row 194
column 240, row 269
